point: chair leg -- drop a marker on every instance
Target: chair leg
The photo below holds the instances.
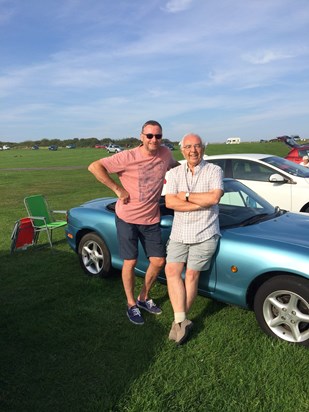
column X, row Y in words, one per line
column 36, row 237
column 49, row 235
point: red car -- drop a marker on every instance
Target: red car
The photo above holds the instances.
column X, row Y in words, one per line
column 100, row 146
column 297, row 150
column 297, row 153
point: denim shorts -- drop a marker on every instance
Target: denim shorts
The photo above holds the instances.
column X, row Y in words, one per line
column 129, row 234
column 197, row 256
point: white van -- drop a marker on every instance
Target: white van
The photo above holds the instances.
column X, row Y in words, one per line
column 233, row 140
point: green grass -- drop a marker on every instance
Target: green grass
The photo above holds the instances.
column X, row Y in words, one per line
column 66, row 344
column 275, row 148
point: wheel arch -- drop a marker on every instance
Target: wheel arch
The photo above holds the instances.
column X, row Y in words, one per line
column 81, row 233
column 95, row 257
column 257, row 282
column 305, row 208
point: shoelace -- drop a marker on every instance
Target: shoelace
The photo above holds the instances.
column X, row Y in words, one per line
column 136, row 312
column 150, row 303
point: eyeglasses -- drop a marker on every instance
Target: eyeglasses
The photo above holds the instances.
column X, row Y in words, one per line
column 150, row 135
column 190, row 146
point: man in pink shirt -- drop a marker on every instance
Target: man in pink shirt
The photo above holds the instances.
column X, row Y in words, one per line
column 141, row 172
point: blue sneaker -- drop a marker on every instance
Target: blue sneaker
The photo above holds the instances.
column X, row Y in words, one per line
column 150, row 306
column 134, row 315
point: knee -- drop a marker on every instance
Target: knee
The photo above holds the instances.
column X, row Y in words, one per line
column 158, row 262
column 129, row 264
column 172, row 271
column 192, row 275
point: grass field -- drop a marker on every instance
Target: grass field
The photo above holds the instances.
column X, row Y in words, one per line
column 66, row 344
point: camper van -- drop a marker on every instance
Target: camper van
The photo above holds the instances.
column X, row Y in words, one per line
column 233, row 140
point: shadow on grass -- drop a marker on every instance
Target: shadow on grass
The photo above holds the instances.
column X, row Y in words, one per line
column 66, row 341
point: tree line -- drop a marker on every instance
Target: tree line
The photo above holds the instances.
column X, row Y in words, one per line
column 78, row 142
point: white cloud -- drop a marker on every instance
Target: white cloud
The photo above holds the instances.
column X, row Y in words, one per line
column 175, row 6
column 267, row 56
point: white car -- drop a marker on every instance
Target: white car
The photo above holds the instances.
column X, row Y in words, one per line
column 282, row 182
column 114, row 148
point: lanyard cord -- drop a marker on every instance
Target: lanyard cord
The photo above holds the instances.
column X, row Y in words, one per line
column 191, row 181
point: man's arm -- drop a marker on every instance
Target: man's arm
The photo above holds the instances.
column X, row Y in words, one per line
column 203, row 199
column 102, row 175
column 174, row 202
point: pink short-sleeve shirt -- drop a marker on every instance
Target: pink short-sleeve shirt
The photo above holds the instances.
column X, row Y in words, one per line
column 142, row 177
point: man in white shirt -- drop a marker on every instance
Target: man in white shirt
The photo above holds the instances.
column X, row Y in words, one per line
column 193, row 191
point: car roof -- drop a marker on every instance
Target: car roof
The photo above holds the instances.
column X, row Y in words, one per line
column 254, row 156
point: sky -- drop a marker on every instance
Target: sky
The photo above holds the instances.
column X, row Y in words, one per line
column 101, row 68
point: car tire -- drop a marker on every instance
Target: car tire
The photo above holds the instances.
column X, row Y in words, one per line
column 281, row 307
column 306, row 210
column 94, row 256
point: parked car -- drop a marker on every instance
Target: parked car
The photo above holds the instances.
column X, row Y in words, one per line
column 53, row 147
column 71, row 146
column 261, row 262
column 296, row 154
column 233, row 140
column 35, row 147
column 169, row 145
column 297, row 150
column 100, row 146
column 6, row 147
column 281, row 182
column 114, row 148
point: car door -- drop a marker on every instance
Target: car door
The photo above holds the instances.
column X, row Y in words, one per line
column 256, row 176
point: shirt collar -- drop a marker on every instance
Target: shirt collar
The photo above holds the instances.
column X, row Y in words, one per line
column 197, row 167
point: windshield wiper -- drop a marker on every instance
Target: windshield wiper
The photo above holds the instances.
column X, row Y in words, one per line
column 253, row 219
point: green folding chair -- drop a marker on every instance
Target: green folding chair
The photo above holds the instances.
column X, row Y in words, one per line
column 42, row 216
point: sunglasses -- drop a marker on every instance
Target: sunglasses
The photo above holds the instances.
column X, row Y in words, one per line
column 150, row 136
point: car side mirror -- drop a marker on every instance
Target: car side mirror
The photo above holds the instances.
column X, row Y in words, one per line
column 277, row 178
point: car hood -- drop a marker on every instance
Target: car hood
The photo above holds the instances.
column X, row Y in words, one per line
column 290, row 229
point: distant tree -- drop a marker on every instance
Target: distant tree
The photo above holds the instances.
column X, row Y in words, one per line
column 79, row 142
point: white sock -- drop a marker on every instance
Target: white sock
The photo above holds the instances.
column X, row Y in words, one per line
column 179, row 317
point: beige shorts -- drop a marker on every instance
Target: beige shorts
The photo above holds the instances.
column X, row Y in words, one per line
column 197, row 256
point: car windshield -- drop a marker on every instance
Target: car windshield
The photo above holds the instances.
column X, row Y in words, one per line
column 303, row 152
column 287, row 166
column 240, row 206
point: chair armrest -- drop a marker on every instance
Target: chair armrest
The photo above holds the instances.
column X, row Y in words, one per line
column 37, row 217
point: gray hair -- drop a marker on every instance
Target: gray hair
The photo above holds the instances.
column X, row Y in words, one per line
column 191, row 134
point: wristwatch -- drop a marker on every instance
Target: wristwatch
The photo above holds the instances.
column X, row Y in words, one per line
column 187, row 196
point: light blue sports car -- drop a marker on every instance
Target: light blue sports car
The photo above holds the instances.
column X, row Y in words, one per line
column 262, row 261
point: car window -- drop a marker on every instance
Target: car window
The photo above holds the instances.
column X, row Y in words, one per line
column 249, row 170
column 240, row 199
column 287, row 166
column 220, row 163
column 240, row 204
column 303, row 152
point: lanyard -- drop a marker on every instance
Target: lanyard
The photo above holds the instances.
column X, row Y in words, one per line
column 192, row 178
